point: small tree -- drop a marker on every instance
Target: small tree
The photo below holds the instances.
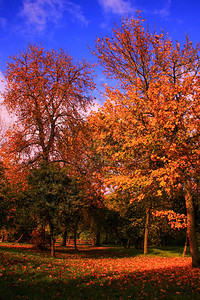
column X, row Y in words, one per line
column 49, row 189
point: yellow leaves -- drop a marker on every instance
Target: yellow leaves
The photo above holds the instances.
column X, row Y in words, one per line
column 159, row 193
column 141, row 197
column 176, row 220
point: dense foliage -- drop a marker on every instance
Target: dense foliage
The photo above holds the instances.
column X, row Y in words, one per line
column 128, row 173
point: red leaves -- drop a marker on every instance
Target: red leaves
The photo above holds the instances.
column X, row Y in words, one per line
column 141, row 276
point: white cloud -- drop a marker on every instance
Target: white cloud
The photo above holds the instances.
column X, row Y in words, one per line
column 76, row 11
column 3, row 22
column 38, row 13
column 5, row 118
column 120, row 7
column 165, row 11
column 94, row 107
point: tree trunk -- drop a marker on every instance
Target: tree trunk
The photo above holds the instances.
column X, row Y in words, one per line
column 75, row 233
column 52, row 241
column 68, row 240
column 75, row 239
column 194, row 250
column 98, row 238
column 106, row 240
column 121, row 238
column 186, row 243
column 146, row 233
column 129, row 244
column 64, row 238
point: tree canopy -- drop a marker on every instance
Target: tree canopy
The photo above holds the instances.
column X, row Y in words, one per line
column 148, row 128
column 141, row 148
column 49, row 93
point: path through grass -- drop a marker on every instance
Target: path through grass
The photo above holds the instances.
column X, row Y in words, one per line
column 96, row 273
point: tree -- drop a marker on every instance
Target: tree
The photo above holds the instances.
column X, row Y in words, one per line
column 148, row 129
column 13, row 183
column 4, row 205
column 126, row 220
column 51, row 194
column 48, row 92
column 87, row 165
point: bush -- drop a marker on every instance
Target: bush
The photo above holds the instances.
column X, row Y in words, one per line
column 39, row 239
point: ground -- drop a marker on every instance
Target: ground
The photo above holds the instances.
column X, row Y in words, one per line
column 96, row 273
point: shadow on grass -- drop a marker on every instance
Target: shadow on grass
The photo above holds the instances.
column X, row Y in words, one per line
column 99, row 252
column 162, row 283
column 27, row 276
column 83, row 251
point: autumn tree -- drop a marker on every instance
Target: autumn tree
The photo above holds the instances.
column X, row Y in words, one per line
column 14, row 216
column 87, row 164
column 48, row 92
column 148, row 129
column 13, row 183
column 4, row 207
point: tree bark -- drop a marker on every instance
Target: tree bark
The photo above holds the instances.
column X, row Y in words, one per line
column 75, row 239
column 64, row 238
column 146, row 233
column 52, row 241
column 191, row 228
column 120, row 237
column 75, row 233
column 186, row 244
column 98, row 238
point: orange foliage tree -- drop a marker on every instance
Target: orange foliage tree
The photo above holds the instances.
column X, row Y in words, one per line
column 48, row 92
column 13, row 184
column 148, row 128
column 87, row 164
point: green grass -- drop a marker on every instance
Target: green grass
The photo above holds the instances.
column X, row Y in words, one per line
column 96, row 273
column 170, row 251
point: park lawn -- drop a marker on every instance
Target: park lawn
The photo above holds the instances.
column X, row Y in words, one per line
column 96, row 273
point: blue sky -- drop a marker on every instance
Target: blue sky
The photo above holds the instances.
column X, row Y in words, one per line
column 73, row 25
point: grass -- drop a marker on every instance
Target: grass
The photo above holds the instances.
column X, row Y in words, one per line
column 96, row 273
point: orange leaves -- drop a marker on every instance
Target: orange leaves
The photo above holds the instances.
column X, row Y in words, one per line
column 48, row 92
column 176, row 221
column 148, row 130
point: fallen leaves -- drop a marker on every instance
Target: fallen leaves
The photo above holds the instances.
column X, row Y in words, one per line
column 145, row 277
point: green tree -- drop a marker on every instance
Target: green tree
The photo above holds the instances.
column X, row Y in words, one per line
column 50, row 193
